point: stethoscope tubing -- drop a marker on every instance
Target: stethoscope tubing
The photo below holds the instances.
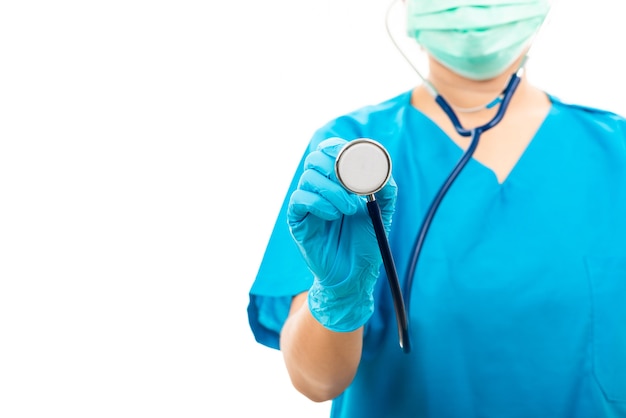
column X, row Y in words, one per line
column 392, row 275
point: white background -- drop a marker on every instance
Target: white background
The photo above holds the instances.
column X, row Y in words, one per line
column 145, row 147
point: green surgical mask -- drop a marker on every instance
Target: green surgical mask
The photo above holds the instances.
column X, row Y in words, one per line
column 477, row 39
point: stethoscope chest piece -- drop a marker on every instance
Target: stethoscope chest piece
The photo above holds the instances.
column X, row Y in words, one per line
column 363, row 166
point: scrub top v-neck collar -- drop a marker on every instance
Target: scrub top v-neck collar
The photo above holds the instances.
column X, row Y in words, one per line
column 452, row 148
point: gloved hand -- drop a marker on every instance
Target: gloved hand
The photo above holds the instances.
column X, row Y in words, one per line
column 335, row 235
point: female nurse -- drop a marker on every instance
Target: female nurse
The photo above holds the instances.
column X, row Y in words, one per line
column 517, row 306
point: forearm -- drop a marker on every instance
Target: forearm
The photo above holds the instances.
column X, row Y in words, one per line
column 321, row 363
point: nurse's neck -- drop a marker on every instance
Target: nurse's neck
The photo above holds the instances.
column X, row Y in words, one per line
column 461, row 92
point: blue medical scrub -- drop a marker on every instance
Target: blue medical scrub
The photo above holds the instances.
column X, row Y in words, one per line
column 518, row 306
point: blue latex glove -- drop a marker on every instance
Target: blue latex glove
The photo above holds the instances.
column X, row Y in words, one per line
column 335, row 235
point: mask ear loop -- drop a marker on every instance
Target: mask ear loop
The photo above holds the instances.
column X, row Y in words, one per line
column 542, row 28
column 429, row 87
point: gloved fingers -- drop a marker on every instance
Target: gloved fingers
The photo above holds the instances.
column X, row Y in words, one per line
column 323, row 159
column 304, row 202
column 322, row 163
column 332, row 146
column 315, row 182
column 388, row 193
column 386, row 198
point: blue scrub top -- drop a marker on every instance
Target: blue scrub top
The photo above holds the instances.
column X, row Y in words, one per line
column 518, row 306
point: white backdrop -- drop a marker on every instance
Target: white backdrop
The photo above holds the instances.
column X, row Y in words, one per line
column 145, row 147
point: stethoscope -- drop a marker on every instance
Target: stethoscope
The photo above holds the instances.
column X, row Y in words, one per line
column 363, row 166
